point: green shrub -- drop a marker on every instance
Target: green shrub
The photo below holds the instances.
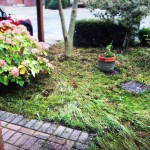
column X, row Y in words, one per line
column 52, row 4
column 144, row 36
column 97, row 33
column 21, row 55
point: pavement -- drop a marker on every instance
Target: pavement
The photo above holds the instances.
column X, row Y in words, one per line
column 19, row 133
column 52, row 24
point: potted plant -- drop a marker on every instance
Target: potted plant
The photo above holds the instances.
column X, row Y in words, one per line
column 106, row 61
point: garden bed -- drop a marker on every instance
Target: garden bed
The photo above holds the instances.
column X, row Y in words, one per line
column 78, row 95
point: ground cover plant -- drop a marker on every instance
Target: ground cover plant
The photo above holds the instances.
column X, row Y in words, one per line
column 80, row 96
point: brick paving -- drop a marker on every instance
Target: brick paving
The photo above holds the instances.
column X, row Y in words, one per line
column 22, row 134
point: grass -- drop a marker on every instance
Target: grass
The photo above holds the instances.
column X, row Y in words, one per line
column 78, row 95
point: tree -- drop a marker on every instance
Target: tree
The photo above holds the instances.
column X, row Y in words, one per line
column 128, row 12
column 68, row 36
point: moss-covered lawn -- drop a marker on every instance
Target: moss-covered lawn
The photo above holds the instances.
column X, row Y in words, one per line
column 78, row 95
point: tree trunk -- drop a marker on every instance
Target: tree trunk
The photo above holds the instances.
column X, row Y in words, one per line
column 68, row 46
column 125, row 40
column 68, row 36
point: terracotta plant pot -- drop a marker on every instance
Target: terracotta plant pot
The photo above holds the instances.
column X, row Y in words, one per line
column 103, row 58
column 106, row 64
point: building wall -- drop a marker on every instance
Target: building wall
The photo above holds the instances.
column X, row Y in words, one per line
column 15, row 2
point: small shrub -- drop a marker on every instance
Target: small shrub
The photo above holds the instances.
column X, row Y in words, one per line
column 95, row 33
column 21, row 55
column 52, row 4
column 144, row 36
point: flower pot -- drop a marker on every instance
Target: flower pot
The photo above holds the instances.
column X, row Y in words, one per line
column 106, row 64
column 102, row 58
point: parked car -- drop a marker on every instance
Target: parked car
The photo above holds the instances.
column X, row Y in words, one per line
column 27, row 23
column 81, row 4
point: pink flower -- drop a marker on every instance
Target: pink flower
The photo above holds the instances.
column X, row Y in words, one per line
column 25, row 62
column 15, row 72
column 35, row 51
column 2, row 63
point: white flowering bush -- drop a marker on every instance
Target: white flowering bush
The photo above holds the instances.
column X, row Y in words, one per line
column 21, row 55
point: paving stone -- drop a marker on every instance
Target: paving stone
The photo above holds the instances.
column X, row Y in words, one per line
column 44, row 127
column 51, row 129
column 29, row 143
column 41, row 135
column 5, row 116
column 57, row 140
column 17, row 119
column 11, row 117
column 2, row 112
column 68, row 145
column 81, row 146
column 4, row 130
column 83, row 137
column 30, row 123
column 53, row 146
column 21, row 140
column 59, row 130
column 10, row 147
column 75, row 134
column 23, row 122
column 3, row 123
column 67, row 133
column 37, row 145
column 8, row 134
column 37, row 125
column 13, row 127
column 14, row 138
column 26, row 131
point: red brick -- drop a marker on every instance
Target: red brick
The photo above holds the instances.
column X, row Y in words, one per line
column 41, row 135
column 27, row 131
column 3, row 123
column 13, row 127
column 1, row 140
column 4, row 130
column 53, row 146
column 10, row 147
column 8, row 135
column 56, row 139
column 68, row 145
column 20, row 142
column 29, row 143
column 14, row 138
column 37, row 145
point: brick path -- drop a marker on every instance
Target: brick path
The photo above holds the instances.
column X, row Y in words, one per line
column 23, row 134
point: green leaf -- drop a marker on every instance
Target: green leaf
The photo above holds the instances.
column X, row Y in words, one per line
column 6, row 81
column 8, row 59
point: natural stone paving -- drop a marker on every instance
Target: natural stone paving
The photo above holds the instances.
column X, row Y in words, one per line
column 23, row 134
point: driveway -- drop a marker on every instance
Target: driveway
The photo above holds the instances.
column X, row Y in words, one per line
column 52, row 25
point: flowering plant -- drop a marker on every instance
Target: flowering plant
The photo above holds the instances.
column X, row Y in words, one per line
column 21, row 55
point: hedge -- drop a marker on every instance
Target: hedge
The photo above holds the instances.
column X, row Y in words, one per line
column 52, row 4
column 97, row 33
column 144, row 36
